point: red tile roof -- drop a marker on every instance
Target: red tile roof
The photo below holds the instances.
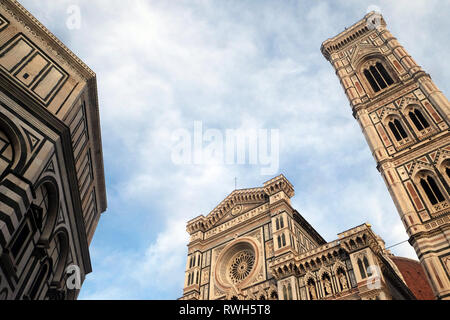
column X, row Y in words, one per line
column 415, row 277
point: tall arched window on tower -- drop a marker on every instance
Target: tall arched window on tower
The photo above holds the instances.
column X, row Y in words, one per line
column 285, row 296
column 289, row 291
column 445, row 169
column 431, row 189
column 418, row 119
column 377, row 76
column 397, row 129
column 366, row 266
column 283, row 239
column 362, row 271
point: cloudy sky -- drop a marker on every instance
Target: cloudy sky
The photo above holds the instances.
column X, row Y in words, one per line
column 227, row 64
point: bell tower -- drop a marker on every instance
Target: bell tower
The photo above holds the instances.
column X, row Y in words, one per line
column 405, row 120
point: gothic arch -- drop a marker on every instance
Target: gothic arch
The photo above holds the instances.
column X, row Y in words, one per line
column 338, row 264
column 17, row 140
column 61, row 239
column 396, row 127
column 444, row 168
column 417, row 117
column 375, row 73
column 43, row 272
column 322, row 271
column 51, row 186
column 273, row 295
column 430, row 187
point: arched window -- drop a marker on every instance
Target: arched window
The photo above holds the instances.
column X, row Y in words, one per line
column 378, row 77
column 289, row 289
column 277, row 223
column 6, row 153
column 366, row 265
column 59, row 252
column 397, row 130
column 285, row 296
column 281, row 223
column 386, row 77
column 283, row 239
column 42, row 201
column 431, row 189
column 371, row 80
column 361, row 269
column 444, row 168
column 418, row 119
column 189, row 279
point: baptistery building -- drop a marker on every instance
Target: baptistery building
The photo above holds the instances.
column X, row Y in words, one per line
column 52, row 185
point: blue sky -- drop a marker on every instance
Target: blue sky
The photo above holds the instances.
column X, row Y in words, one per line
column 161, row 65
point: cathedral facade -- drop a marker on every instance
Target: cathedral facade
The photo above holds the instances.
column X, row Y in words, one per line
column 255, row 245
column 52, row 186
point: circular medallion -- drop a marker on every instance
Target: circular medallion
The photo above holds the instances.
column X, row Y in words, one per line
column 236, row 210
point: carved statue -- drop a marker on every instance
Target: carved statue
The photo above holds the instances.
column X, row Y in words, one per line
column 312, row 291
column 343, row 281
column 327, row 285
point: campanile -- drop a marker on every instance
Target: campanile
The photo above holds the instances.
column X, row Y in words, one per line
column 405, row 120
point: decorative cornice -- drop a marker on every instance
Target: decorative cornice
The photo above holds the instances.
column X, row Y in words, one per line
column 243, row 196
column 347, row 36
column 48, row 39
column 348, row 241
column 278, row 184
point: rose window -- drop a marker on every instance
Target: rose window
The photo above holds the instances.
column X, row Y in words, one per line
column 241, row 266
